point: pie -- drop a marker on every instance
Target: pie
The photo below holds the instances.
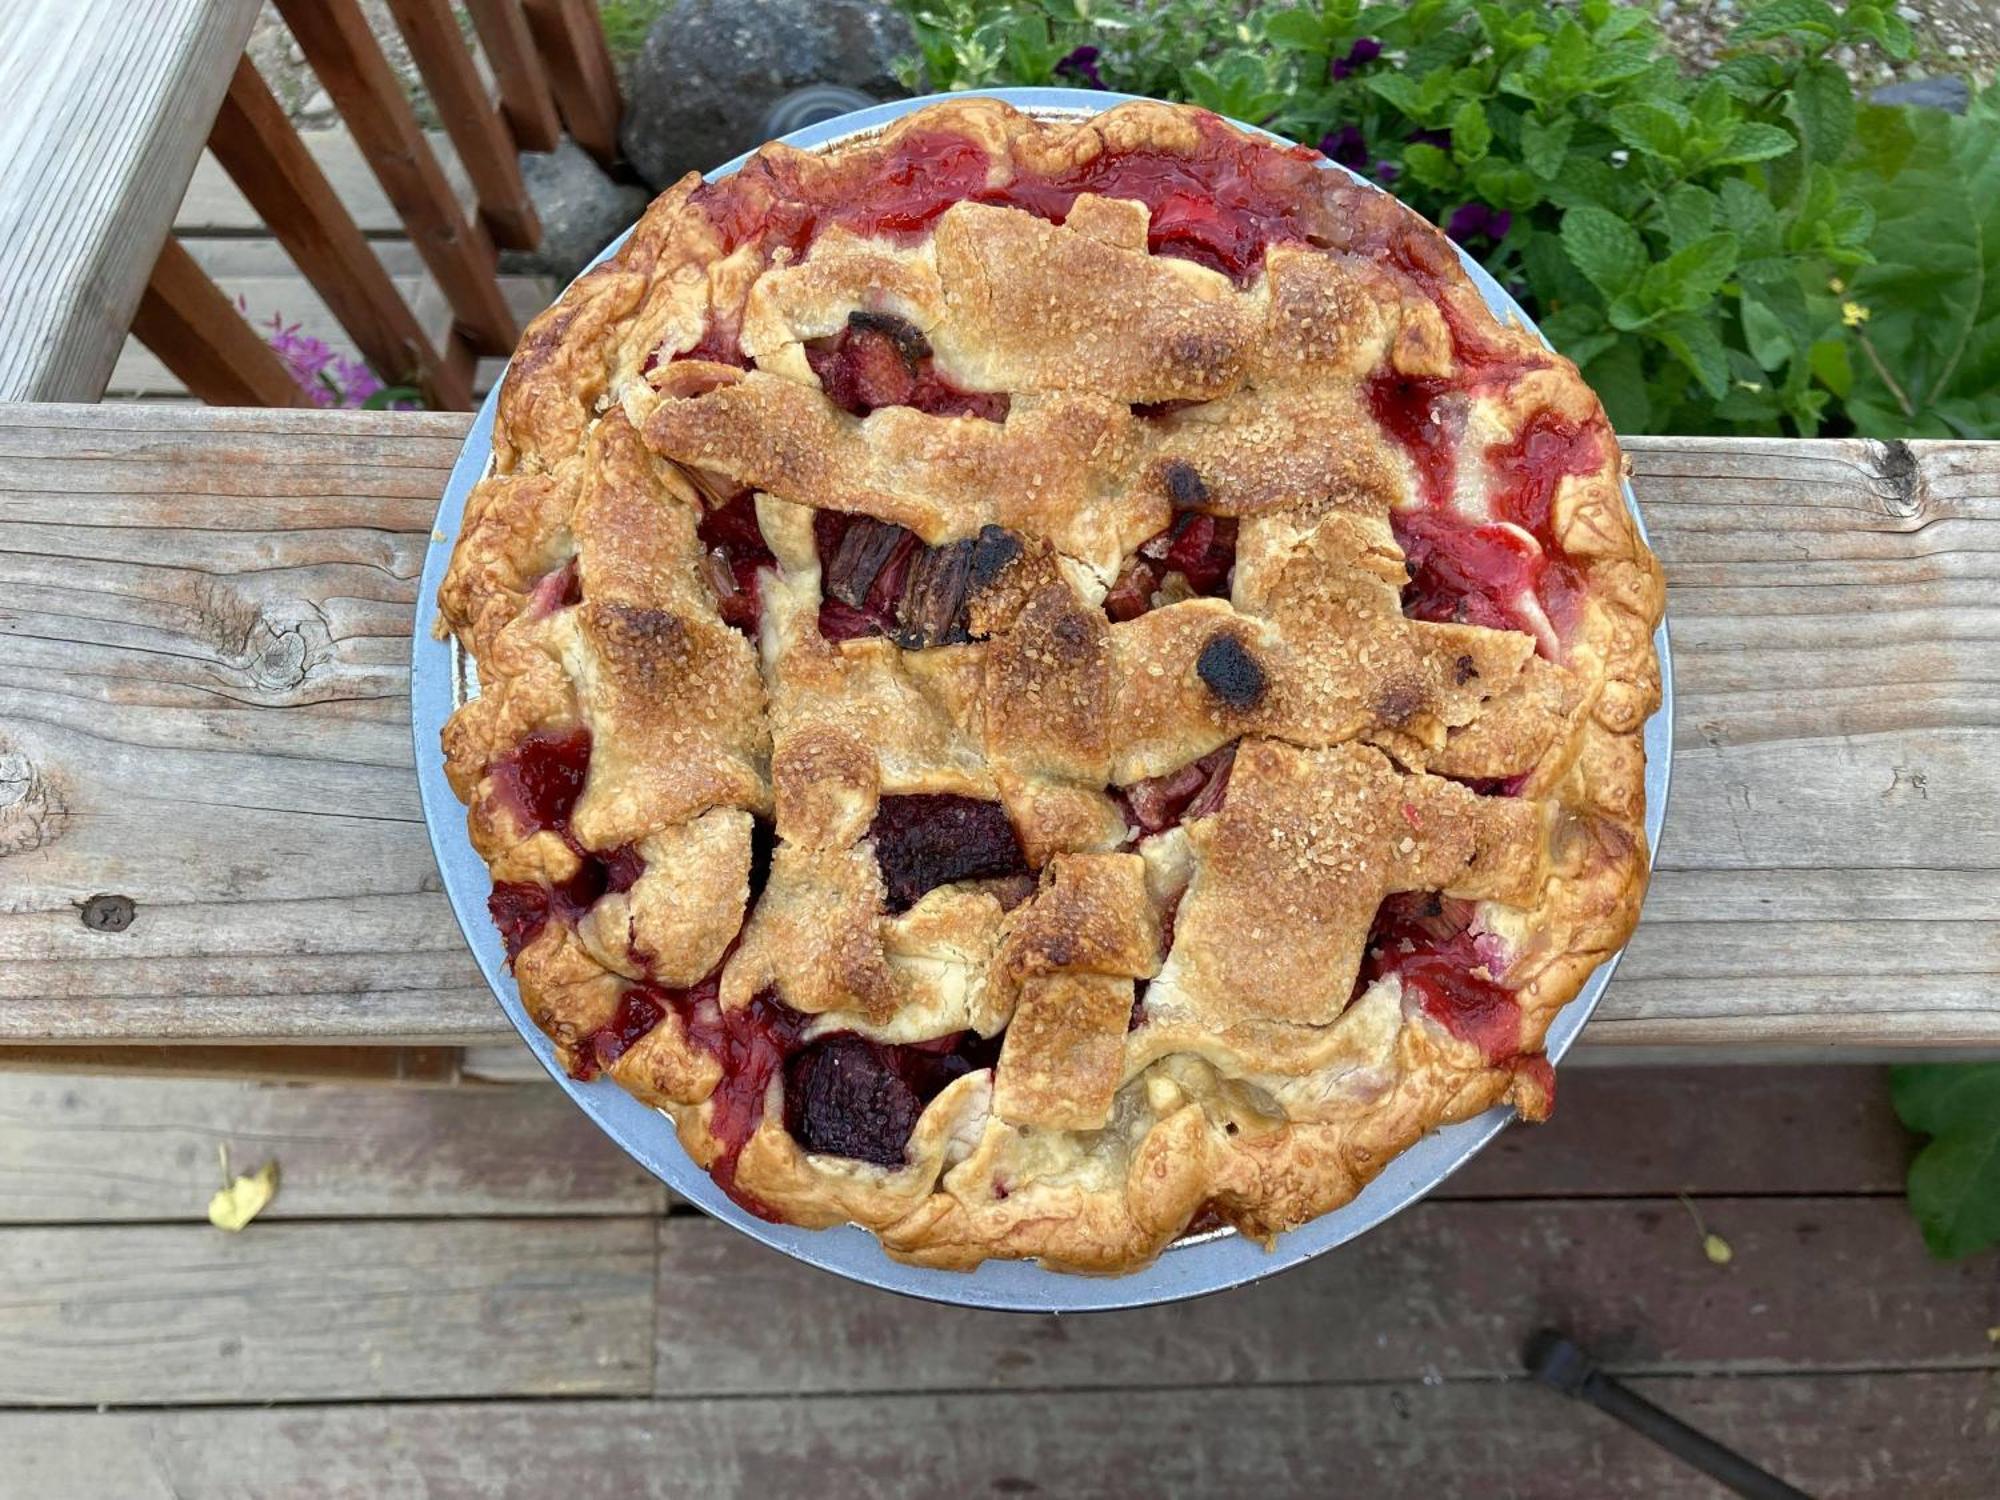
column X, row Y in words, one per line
column 1047, row 683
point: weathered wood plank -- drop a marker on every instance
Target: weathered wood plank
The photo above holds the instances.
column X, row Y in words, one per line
column 362, row 1148
column 1837, row 1436
column 517, row 67
column 215, row 205
column 570, row 36
column 1637, row 1130
column 202, row 690
column 324, row 1312
column 1450, row 1289
column 348, row 60
column 193, row 329
column 106, row 1066
column 86, row 1149
column 103, row 122
column 473, row 122
column 262, row 153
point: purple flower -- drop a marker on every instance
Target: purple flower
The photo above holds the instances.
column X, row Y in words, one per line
column 328, row 379
column 1387, row 172
column 1345, row 146
column 1081, row 65
column 1438, row 138
column 1469, row 221
column 1364, row 51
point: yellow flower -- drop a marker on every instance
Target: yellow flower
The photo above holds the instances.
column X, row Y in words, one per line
column 1836, row 286
column 1853, row 314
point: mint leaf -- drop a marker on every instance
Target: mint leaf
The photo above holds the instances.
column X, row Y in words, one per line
column 1428, row 165
column 1652, row 127
column 1605, row 248
column 1955, row 1180
column 1690, row 213
column 1823, row 105
column 1785, row 17
column 1470, row 134
column 1750, row 142
column 1543, row 147
column 1689, row 278
column 1695, row 343
column 1765, row 335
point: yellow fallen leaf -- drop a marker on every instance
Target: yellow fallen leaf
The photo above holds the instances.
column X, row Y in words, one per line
column 1716, row 1248
column 1993, row 1334
column 237, row 1204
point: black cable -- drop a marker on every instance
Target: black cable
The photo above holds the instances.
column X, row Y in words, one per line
column 1562, row 1366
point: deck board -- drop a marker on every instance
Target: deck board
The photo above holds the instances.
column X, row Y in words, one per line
column 1837, row 1436
column 369, row 1309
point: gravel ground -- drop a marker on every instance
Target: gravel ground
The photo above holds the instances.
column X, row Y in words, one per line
column 1953, row 36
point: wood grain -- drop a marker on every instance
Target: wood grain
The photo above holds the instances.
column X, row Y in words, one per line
column 484, row 143
column 201, row 703
column 325, row 1312
column 88, row 1149
column 348, row 61
column 201, row 336
column 1837, row 1436
column 102, row 125
column 525, row 99
column 263, row 154
column 570, row 37
column 1443, row 1289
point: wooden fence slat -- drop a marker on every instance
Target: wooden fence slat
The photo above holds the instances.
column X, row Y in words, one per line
column 87, row 1149
column 525, row 100
column 103, row 121
column 570, row 34
column 348, row 61
column 1836, row 1436
column 477, row 131
column 325, row 1312
column 200, row 335
column 213, row 205
column 263, row 154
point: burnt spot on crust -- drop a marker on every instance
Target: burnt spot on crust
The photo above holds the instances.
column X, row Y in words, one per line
column 1399, row 702
column 933, row 608
column 993, row 551
column 931, row 839
column 1463, row 671
column 905, row 335
column 1184, row 486
column 1230, row 671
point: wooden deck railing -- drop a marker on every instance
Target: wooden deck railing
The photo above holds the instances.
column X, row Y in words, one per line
column 106, row 119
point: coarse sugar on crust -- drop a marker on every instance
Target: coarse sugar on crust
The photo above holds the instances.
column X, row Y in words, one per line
column 1043, row 679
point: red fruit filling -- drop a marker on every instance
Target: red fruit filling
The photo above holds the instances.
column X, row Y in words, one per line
column 848, row 1096
column 719, row 344
column 1484, row 573
column 880, row 360
column 1201, row 548
column 557, row 590
column 932, row 839
column 734, row 553
column 878, row 578
column 639, row 1011
column 1220, row 208
column 1427, row 940
column 1194, row 791
column 540, row 779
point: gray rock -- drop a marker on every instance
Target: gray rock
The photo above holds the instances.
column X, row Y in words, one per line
column 581, row 210
column 1946, row 92
column 711, row 70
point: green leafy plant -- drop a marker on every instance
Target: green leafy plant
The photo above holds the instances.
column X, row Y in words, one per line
column 1738, row 252
column 1955, row 1180
column 626, row 23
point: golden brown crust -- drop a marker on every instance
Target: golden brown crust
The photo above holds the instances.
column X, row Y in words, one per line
column 1194, row 1015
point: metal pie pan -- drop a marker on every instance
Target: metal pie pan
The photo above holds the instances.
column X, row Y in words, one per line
column 440, row 679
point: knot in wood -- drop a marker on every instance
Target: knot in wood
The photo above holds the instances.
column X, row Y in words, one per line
column 103, row 913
